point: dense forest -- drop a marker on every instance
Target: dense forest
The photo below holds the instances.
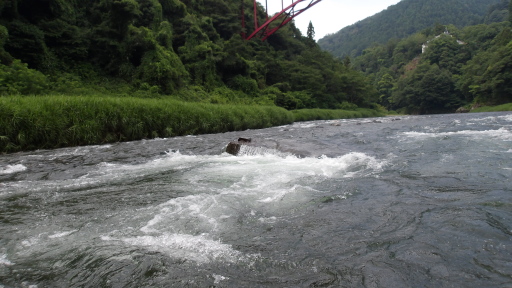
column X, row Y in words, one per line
column 443, row 68
column 189, row 49
column 406, row 18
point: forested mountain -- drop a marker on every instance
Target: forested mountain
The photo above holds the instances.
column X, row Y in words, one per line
column 406, row 18
column 456, row 67
column 497, row 13
column 190, row 48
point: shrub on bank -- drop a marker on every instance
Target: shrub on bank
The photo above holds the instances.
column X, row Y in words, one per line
column 17, row 78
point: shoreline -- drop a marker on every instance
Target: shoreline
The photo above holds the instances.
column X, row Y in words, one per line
column 49, row 122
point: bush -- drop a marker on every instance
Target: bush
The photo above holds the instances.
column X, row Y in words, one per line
column 17, row 78
column 245, row 84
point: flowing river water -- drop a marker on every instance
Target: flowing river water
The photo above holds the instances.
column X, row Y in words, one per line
column 412, row 201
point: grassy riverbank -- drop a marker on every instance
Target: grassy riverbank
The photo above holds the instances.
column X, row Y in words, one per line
column 47, row 122
column 504, row 107
column 323, row 114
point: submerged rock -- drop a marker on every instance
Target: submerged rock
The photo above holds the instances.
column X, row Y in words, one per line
column 233, row 147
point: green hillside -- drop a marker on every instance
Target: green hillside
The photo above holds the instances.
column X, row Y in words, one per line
column 189, row 49
column 442, row 68
column 406, row 18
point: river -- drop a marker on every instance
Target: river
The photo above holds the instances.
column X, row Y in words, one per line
column 406, row 201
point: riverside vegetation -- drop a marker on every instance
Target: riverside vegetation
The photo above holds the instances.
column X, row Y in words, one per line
column 408, row 17
column 116, row 70
column 442, row 68
column 38, row 122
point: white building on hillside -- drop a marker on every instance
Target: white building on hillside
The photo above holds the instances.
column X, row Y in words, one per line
column 425, row 45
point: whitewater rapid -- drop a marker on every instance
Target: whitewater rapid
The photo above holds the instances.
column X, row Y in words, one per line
column 391, row 202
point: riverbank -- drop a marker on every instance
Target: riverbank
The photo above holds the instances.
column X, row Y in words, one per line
column 499, row 108
column 48, row 122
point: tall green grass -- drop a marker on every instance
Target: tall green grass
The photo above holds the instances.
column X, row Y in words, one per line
column 324, row 114
column 47, row 122
column 40, row 122
column 504, row 107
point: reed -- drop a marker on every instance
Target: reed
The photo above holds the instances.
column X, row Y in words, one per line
column 47, row 122
column 325, row 114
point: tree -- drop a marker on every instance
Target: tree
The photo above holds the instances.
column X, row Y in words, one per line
column 492, row 77
column 5, row 58
column 165, row 46
column 347, row 62
column 311, row 31
column 385, row 86
column 427, row 89
column 510, row 12
column 403, row 19
column 446, row 52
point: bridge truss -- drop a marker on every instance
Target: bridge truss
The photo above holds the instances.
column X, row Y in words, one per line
column 278, row 20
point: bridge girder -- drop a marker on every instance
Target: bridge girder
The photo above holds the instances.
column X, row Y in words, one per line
column 278, row 20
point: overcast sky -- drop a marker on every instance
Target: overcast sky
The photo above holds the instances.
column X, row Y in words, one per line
column 330, row 16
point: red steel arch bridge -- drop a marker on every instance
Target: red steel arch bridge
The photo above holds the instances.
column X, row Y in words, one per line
column 278, row 20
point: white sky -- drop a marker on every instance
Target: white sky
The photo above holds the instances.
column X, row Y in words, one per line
column 330, row 16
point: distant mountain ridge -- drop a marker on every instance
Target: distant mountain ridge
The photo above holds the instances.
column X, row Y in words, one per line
column 403, row 19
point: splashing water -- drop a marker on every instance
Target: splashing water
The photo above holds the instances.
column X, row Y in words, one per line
column 424, row 201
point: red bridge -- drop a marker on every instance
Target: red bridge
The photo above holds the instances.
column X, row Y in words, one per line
column 278, row 20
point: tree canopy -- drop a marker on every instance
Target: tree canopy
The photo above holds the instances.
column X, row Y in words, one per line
column 456, row 67
column 188, row 48
column 409, row 17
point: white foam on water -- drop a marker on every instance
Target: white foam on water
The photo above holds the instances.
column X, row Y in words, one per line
column 218, row 278
column 268, row 174
column 4, row 261
column 219, row 190
column 305, row 125
column 265, row 164
column 246, row 150
column 79, row 151
column 11, row 169
column 491, row 119
column 272, row 219
column 259, row 187
column 193, row 212
column 62, row 234
column 279, row 194
column 182, row 246
column 502, row 133
column 29, row 242
column 506, row 117
column 104, row 173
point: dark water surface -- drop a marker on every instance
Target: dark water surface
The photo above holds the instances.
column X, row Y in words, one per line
column 421, row 201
